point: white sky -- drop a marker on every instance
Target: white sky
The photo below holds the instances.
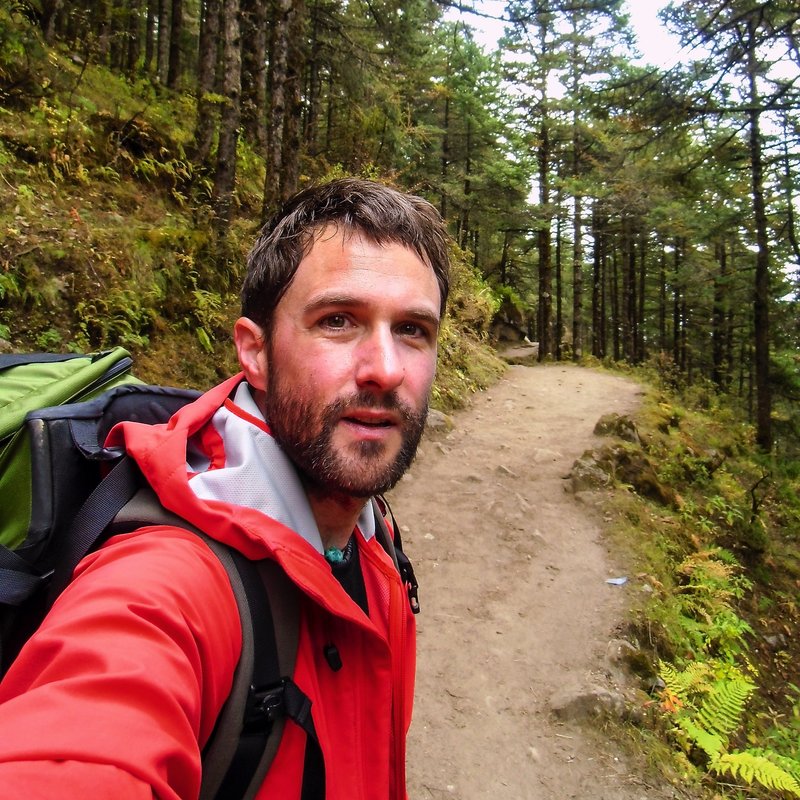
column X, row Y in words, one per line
column 658, row 47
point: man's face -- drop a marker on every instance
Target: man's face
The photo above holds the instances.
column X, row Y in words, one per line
column 350, row 363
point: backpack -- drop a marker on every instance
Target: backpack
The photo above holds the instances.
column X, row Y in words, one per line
column 70, row 494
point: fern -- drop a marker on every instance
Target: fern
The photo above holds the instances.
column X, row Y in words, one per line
column 790, row 765
column 721, row 712
column 753, row 767
column 708, row 708
column 711, row 744
column 696, row 677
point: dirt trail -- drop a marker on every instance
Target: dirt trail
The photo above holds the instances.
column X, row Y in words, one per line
column 516, row 610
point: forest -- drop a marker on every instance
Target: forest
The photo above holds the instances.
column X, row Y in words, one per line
column 613, row 210
column 616, row 213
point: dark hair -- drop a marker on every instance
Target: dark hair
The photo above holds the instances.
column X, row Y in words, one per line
column 379, row 212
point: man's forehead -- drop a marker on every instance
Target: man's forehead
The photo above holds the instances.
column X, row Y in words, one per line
column 342, row 264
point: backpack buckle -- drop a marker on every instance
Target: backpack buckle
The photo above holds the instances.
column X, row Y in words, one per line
column 264, row 706
column 410, row 580
column 267, row 704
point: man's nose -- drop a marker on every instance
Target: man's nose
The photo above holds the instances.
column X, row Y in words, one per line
column 379, row 362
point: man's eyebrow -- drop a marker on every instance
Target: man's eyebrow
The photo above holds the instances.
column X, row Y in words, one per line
column 349, row 301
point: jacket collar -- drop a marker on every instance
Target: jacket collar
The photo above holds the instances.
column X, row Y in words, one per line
column 240, row 463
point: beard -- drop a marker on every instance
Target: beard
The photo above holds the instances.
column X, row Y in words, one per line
column 360, row 469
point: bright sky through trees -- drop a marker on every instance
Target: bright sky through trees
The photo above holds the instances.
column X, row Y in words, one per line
column 657, row 45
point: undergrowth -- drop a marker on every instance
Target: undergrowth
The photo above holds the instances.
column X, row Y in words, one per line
column 107, row 236
column 720, row 569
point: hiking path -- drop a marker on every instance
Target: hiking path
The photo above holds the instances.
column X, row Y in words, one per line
column 518, row 621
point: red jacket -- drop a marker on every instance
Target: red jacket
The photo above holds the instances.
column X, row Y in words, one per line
column 118, row 691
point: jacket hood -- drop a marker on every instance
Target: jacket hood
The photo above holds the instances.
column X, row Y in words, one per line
column 216, row 465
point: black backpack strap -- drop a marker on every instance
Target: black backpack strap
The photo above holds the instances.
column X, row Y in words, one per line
column 17, row 578
column 393, row 545
column 262, row 698
column 91, row 524
column 8, row 360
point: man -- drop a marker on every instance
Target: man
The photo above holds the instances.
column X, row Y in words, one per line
column 119, row 690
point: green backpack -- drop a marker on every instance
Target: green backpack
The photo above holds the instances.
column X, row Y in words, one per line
column 27, row 384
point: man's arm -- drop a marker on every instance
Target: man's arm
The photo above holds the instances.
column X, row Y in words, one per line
column 120, row 688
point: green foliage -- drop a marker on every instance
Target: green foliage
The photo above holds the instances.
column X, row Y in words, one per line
column 717, row 595
column 20, row 46
column 707, row 710
column 208, row 312
column 49, row 340
column 465, row 365
column 9, row 287
column 121, row 316
column 699, row 613
column 768, row 769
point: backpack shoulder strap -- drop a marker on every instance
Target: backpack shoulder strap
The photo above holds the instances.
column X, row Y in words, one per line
column 263, row 695
column 393, row 545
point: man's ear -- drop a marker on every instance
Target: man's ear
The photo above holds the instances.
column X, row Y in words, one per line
column 249, row 339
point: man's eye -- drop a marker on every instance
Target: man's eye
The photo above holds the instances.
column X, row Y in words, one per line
column 412, row 329
column 337, row 321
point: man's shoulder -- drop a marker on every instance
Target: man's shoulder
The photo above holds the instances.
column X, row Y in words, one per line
column 163, row 563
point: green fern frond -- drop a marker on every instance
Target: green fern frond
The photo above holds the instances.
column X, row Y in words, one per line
column 756, row 769
column 790, row 765
column 673, row 678
column 722, row 709
column 710, row 743
column 696, row 677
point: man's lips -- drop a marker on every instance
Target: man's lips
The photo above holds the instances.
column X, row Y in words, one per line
column 370, row 418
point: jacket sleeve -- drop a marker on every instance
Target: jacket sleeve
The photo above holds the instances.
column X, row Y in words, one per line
column 119, row 689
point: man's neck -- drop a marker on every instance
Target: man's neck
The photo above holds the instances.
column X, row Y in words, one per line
column 336, row 516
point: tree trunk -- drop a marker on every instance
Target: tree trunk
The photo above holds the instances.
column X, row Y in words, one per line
column 718, row 367
column 676, row 305
column 761, row 294
column 225, row 176
column 162, row 46
column 544, row 246
column 206, row 79
column 118, row 36
column 628, row 291
column 640, row 310
column 254, row 72
column 102, row 24
column 134, row 48
column 278, row 67
column 613, row 292
column 150, row 36
column 577, row 220
column 330, row 115
column 504, row 257
column 598, row 283
column 313, row 89
column 50, row 10
column 577, row 280
column 662, row 298
column 445, row 158
column 559, row 328
column 295, row 68
column 174, row 65
column 465, row 211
